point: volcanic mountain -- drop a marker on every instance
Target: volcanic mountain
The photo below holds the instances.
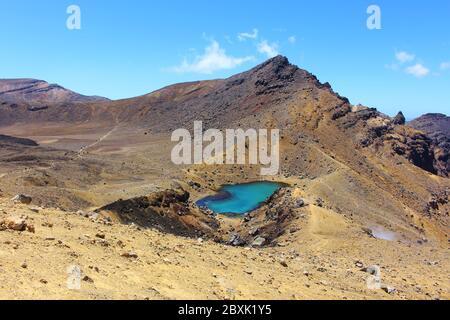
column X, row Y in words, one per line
column 355, row 176
column 273, row 93
column 352, row 149
column 39, row 92
column 22, row 96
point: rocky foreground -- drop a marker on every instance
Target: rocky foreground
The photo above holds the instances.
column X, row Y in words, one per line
column 324, row 257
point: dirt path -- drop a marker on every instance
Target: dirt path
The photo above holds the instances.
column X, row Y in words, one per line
column 101, row 139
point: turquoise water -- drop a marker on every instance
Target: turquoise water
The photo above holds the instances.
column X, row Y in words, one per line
column 240, row 198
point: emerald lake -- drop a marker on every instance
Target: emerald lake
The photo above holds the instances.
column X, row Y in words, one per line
column 238, row 199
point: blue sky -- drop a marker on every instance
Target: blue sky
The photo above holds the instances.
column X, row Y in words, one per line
column 129, row 48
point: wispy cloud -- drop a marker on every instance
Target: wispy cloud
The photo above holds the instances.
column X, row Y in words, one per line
column 418, row 70
column 445, row 66
column 213, row 59
column 247, row 35
column 269, row 49
column 404, row 57
column 415, row 68
column 292, row 39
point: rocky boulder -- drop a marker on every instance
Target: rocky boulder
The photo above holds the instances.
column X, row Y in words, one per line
column 399, row 119
column 15, row 223
column 22, row 198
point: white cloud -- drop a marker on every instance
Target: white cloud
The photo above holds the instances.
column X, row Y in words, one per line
column 269, row 49
column 445, row 65
column 246, row 35
column 292, row 39
column 213, row 59
column 418, row 70
column 404, row 57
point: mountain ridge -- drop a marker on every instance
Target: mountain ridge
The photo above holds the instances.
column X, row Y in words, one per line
column 273, row 94
column 35, row 91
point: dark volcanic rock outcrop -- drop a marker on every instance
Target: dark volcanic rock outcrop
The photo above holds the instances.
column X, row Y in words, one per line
column 168, row 211
column 265, row 225
column 437, row 127
column 390, row 135
column 399, row 119
column 14, row 140
column 417, row 148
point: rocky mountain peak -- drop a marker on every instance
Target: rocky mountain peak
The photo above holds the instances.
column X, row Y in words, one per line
column 278, row 67
column 277, row 61
column 399, row 119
